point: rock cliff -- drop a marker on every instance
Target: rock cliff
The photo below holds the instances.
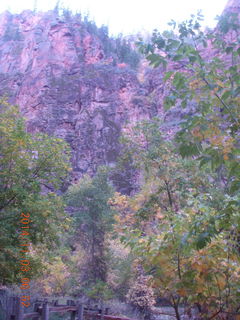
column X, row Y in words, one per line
column 69, row 80
column 67, row 85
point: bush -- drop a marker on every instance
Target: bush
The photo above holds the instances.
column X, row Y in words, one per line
column 141, row 295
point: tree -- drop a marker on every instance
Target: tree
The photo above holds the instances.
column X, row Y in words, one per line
column 32, row 167
column 141, row 296
column 35, row 6
column 56, row 7
column 93, row 218
column 208, row 81
column 173, row 226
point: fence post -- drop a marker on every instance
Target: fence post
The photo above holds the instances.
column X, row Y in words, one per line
column 45, row 311
column 36, row 309
column 19, row 309
column 102, row 309
column 36, row 306
column 79, row 312
column 73, row 313
column 10, row 308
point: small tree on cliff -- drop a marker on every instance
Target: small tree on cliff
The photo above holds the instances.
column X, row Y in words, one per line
column 56, row 7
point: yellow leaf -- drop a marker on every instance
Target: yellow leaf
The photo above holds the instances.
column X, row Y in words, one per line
column 225, row 157
column 182, row 292
column 200, row 267
column 221, row 283
column 220, row 84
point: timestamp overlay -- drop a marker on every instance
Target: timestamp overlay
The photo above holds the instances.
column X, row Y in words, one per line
column 25, row 265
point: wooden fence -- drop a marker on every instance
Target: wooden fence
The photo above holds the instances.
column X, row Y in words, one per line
column 42, row 310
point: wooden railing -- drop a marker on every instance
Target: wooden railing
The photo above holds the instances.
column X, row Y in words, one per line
column 42, row 310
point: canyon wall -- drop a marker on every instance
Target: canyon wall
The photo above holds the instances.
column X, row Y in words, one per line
column 67, row 83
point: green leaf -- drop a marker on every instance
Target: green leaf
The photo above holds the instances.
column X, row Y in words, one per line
column 202, row 240
column 179, row 81
column 235, row 186
column 192, row 59
column 188, row 150
column 229, row 50
column 153, row 57
column 204, row 160
column 236, row 92
column 226, row 95
column 169, row 102
column 172, row 44
column 156, row 60
column 168, row 75
column 178, row 57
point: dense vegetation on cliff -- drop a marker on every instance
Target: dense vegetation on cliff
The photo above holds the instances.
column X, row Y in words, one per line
column 176, row 235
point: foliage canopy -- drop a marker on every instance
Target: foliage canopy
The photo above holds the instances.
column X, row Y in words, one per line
column 32, row 167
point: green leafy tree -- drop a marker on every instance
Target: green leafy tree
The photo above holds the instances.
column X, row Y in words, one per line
column 120, row 272
column 32, row 166
column 93, row 218
column 193, row 251
column 209, row 82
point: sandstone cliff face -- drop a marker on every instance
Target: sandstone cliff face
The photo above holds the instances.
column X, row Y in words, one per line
column 68, row 84
column 65, row 85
